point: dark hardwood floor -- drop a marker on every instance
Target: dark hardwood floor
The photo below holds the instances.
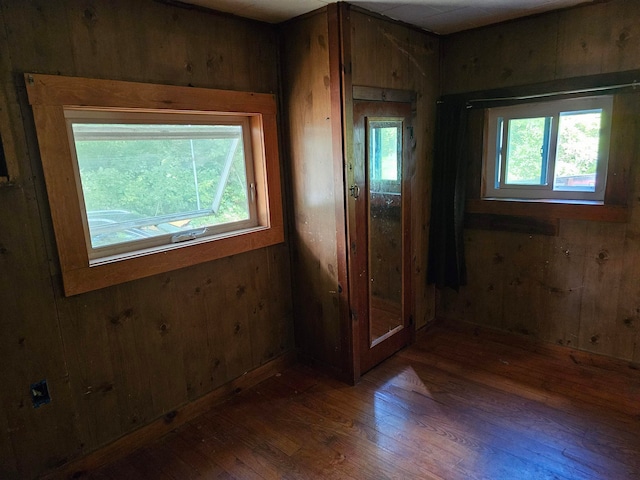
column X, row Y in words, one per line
column 461, row 403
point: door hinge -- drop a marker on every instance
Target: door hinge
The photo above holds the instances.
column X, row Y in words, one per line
column 354, row 190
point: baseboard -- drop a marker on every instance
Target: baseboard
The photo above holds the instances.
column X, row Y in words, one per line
column 527, row 341
column 170, row 421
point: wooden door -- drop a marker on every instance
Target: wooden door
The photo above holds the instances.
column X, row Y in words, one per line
column 380, row 237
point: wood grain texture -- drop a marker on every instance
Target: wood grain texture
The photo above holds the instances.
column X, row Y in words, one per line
column 511, row 223
column 8, row 104
column 153, row 431
column 317, row 195
column 388, row 55
column 580, row 287
column 463, row 402
column 318, row 85
column 122, row 357
column 556, row 210
column 55, row 90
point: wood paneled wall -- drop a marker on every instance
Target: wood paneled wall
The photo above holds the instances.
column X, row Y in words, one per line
column 315, row 169
column 323, row 55
column 386, row 54
column 118, row 358
column 582, row 287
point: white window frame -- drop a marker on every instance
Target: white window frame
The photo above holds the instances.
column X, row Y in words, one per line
column 494, row 186
column 51, row 95
column 107, row 253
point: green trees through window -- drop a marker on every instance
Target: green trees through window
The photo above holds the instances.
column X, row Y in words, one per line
column 556, row 149
column 147, row 180
column 576, row 155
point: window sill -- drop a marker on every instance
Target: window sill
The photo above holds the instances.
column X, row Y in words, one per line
column 551, row 209
column 87, row 278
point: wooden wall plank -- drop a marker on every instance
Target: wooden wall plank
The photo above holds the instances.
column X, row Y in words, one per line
column 599, row 330
column 8, row 107
column 629, row 303
column 269, row 337
column 477, row 60
column 31, row 347
column 84, row 331
column 483, row 297
column 586, row 47
column 131, row 381
column 315, row 194
column 8, row 465
column 158, row 331
column 564, row 259
column 385, row 54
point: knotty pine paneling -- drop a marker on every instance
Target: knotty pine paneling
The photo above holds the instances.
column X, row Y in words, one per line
column 316, row 193
column 386, row 54
column 118, row 358
column 579, row 288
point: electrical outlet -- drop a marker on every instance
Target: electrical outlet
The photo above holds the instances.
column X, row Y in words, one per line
column 40, row 394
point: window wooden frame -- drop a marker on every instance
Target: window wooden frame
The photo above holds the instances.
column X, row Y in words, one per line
column 49, row 95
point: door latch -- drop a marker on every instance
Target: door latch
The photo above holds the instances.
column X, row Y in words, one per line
column 354, row 191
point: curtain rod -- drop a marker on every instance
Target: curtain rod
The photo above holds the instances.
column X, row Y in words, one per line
column 635, row 84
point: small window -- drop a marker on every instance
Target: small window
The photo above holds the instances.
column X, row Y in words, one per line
column 551, row 150
column 143, row 179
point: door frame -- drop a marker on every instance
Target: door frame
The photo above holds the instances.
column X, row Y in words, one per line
column 359, row 323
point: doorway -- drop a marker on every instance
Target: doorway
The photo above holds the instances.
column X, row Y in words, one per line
column 383, row 138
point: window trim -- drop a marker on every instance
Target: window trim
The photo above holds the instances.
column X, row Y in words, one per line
column 49, row 95
column 551, row 108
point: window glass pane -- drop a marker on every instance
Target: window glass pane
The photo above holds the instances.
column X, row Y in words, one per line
column 384, row 139
column 527, row 145
column 385, row 148
column 145, row 180
column 577, row 154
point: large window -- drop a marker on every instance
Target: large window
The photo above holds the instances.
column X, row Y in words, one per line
column 147, row 180
column 137, row 188
column 550, row 150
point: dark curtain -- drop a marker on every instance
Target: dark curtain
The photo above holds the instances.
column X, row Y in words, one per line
column 446, row 242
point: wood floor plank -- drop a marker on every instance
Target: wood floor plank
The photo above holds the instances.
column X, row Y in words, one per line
column 565, row 431
column 334, row 454
column 221, row 449
column 428, row 432
column 541, row 389
column 460, row 404
column 562, row 374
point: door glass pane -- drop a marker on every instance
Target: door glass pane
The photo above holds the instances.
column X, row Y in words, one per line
column 577, row 155
column 384, row 153
column 527, row 151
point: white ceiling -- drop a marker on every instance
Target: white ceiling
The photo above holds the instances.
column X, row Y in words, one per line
column 439, row 16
